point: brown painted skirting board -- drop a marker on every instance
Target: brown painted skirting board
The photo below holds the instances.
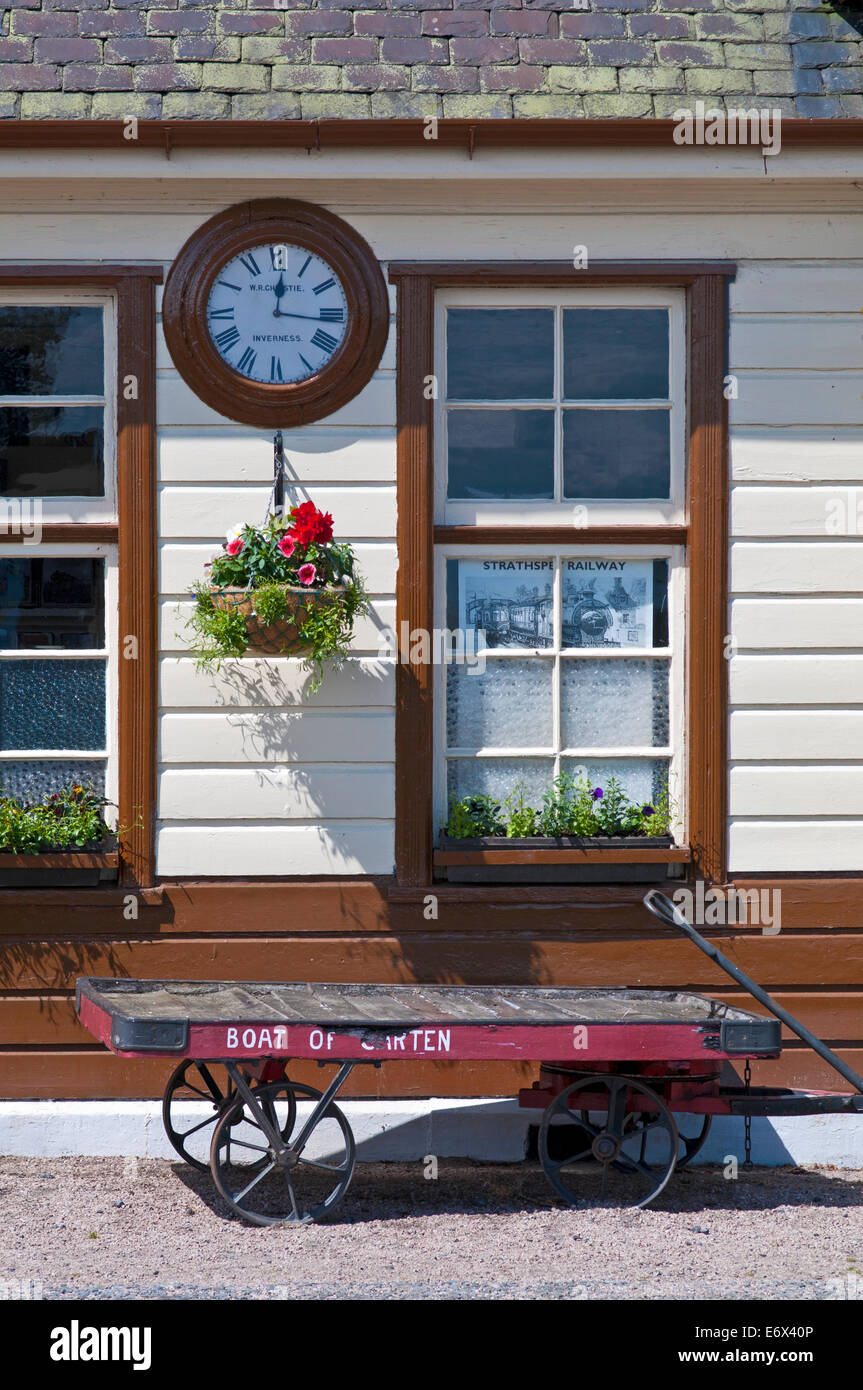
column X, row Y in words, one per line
column 472, row 135
column 353, row 910
column 706, row 537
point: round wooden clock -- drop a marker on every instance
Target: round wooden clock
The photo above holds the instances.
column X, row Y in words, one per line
column 275, row 313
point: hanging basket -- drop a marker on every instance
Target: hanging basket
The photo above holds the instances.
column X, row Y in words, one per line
column 281, row 638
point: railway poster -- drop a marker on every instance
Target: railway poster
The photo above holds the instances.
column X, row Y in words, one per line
column 511, row 601
column 607, row 603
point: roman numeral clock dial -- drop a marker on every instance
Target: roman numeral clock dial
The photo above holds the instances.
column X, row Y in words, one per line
column 275, row 313
column 266, row 310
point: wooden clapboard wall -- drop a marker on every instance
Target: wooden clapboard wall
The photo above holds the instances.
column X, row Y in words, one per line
column 252, row 782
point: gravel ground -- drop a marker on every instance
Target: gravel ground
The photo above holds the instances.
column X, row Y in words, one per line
column 126, row 1228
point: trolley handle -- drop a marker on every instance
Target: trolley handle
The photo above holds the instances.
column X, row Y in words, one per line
column 668, row 912
column 671, row 916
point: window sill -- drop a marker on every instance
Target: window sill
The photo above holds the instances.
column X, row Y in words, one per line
column 498, row 860
column 60, row 868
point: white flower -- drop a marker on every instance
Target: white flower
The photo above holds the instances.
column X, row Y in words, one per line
column 235, row 533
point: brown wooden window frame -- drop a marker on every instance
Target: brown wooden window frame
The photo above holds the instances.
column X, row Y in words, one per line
column 705, row 534
column 134, row 534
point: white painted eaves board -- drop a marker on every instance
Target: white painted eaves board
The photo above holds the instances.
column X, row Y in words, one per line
column 209, row 512
column 810, row 735
column 316, row 454
column 810, row 679
column 804, row 846
column 329, row 847
column 275, row 682
column 277, row 736
column 770, row 624
column 779, row 567
column 363, row 791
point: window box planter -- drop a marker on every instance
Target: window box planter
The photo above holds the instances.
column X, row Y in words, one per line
column 623, row 859
column 61, row 868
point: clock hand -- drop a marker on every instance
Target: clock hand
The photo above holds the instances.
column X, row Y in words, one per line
column 279, row 290
column 288, row 314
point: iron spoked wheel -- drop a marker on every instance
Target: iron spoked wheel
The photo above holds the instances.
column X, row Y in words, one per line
column 202, row 1082
column 692, row 1142
column 269, row 1169
column 623, row 1156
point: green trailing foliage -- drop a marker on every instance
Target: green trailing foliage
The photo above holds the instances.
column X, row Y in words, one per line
column 571, row 807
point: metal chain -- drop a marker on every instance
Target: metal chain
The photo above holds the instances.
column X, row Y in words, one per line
column 747, row 1118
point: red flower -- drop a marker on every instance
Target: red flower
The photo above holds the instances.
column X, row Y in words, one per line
column 310, row 525
column 287, row 545
column 307, row 574
column 234, row 547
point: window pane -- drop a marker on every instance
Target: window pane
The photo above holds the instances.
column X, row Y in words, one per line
column 509, row 600
column 30, row 780
column 500, row 354
column 51, row 350
column 614, row 704
column 500, row 453
column 51, row 451
column 52, row 602
column 52, row 704
column 642, row 779
column 616, row 453
column 615, row 354
column 498, row 777
column 614, row 603
column 509, row 705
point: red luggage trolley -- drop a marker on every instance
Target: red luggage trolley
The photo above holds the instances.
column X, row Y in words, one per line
column 629, row 1079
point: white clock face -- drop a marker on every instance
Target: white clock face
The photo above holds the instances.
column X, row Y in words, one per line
column 277, row 313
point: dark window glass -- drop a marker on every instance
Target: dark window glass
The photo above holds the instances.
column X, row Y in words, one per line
column 52, row 602
column 51, row 350
column 52, row 704
column 615, row 354
column 51, row 451
column 33, row 779
column 501, row 453
column 616, row 453
column 500, row 354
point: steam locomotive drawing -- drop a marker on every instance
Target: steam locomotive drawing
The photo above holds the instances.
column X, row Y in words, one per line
column 598, row 620
column 507, row 622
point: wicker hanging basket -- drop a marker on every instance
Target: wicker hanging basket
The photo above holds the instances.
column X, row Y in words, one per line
column 281, row 638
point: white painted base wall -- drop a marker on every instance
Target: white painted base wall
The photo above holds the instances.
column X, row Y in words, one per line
column 405, row 1131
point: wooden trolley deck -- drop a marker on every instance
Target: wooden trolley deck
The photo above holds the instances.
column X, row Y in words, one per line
column 217, row 1021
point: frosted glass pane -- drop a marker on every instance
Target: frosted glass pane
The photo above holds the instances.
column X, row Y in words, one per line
column 641, row 778
column 30, row 780
column 509, row 705
column 52, row 704
column 500, row 354
column 497, row 777
column 614, row 704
